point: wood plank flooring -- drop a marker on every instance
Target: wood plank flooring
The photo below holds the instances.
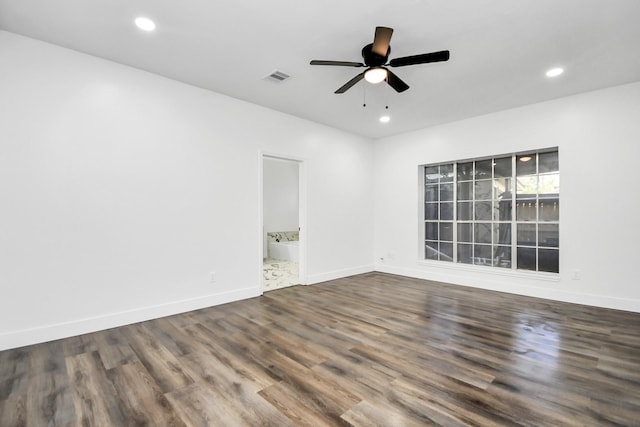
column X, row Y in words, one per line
column 368, row 350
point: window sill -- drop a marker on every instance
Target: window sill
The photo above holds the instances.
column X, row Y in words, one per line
column 494, row 271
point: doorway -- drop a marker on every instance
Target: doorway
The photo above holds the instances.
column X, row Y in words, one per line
column 282, row 234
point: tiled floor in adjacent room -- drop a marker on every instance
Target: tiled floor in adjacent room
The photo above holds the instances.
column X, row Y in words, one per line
column 280, row 274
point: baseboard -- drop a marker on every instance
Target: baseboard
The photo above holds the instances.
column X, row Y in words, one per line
column 478, row 281
column 46, row 333
column 338, row 274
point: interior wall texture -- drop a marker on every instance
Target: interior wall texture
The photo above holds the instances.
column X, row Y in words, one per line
column 597, row 134
column 122, row 190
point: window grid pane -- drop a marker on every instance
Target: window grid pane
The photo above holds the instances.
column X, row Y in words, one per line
column 501, row 212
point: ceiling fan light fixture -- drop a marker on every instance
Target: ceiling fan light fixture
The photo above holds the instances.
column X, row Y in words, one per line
column 375, row 75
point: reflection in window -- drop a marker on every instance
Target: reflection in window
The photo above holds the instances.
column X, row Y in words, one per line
column 465, row 191
column 482, row 232
column 465, row 211
column 446, row 231
column 465, row 254
column 465, row 232
column 431, row 211
column 501, row 212
column 483, row 190
column 483, row 211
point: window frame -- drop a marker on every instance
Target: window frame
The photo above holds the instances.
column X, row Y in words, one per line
column 515, row 223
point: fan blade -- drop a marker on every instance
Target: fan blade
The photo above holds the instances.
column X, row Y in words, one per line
column 338, row 63
column 350, row 83
column 396, row 83
column 443, row 55
column 381, row 41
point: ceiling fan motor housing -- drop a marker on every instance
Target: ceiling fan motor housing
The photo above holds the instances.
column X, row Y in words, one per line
column 371, row 58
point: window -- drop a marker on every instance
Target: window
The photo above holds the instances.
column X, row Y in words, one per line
column 500, row 212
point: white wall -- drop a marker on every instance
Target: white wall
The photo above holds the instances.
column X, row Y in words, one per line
column 121, row 190
column 598, row 135
column 280, row 195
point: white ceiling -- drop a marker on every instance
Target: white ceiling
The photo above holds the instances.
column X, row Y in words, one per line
column 500, row 50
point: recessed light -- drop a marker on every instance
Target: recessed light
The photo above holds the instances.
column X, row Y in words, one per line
column 385, row 119
column 145, row 24
column 555, row 72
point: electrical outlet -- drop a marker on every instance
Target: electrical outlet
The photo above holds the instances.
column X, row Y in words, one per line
column 576, row 275
column 213, row 277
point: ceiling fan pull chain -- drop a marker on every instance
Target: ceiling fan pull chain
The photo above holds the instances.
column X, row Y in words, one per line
column 387, row 90
column 364, row 96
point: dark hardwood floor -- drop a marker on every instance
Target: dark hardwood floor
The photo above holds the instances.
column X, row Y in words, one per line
column 369, row 350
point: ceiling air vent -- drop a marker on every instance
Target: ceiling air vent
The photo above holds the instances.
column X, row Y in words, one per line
column 277, row 77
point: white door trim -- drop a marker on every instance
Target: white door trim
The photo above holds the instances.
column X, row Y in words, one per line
column 302, row 211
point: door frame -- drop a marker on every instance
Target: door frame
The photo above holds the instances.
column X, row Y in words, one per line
column 302, row 213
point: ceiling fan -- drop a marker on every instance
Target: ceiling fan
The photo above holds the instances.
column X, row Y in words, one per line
column 375, row 57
